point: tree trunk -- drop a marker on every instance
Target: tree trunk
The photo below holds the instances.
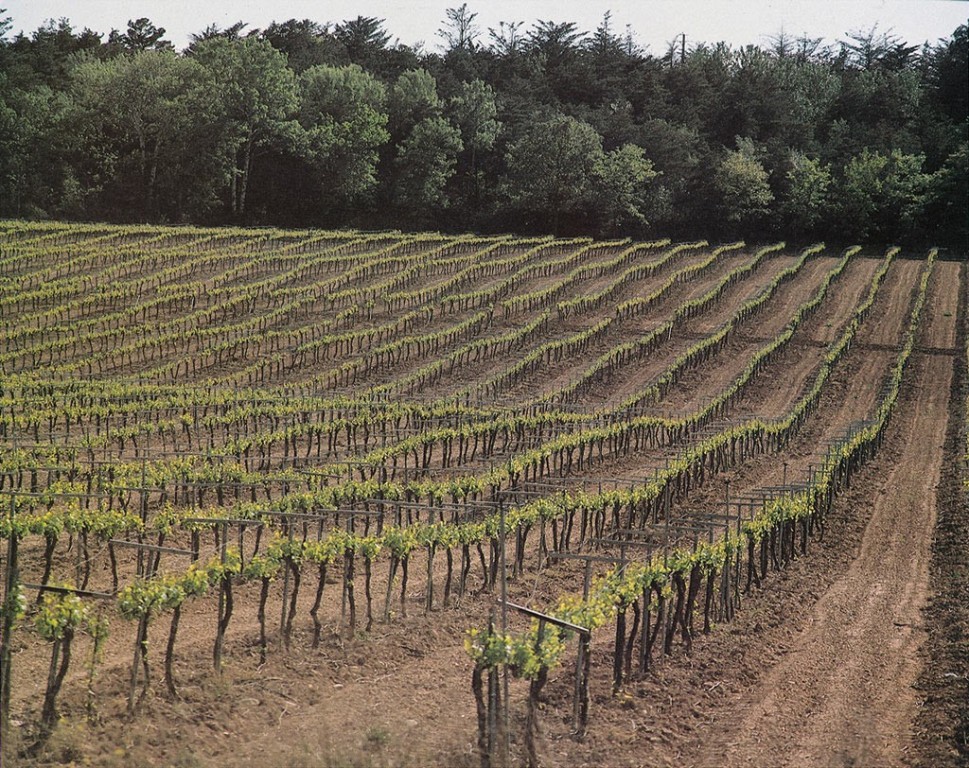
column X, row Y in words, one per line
column 170, row 653
column 263, row 597
column 477, row 688
column 367, row 572
column 532, row 728
column 244, row 176
column 315, row 611
column 294, row 567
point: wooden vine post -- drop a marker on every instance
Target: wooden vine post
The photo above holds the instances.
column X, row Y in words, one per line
column 58, row 621
column 10, row 598
column 583, row 665
column 583, row 662
column 147, row 566
column 531, row 714
column 506, row 725
column 223, row 617
column 282, row 611
column 225, row 579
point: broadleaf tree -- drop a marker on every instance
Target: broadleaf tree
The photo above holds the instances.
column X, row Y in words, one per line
column 258, row 94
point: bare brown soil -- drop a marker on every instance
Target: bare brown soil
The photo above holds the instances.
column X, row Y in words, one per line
column 941, row 735
column 853, row 655
column 855, row 705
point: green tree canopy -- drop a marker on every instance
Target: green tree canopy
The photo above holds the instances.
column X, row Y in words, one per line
column 342, row 112
column 881, row 196
column 32, row 173
column 305, row 44
column 139, row 110
column 622, row 195
column 319, row 122
column 258, row 95
column 425, row 163
column 743, row 187
column 141, row 35
column 805, row 203
column 413, row 97
column 475, row 113
column 551, row 170
column 947, row 196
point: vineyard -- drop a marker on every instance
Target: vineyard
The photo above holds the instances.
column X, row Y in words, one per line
column 326, row 498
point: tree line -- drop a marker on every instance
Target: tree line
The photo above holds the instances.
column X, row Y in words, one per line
column 533, row 129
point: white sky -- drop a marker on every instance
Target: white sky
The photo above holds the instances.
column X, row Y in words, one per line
column 653, row 22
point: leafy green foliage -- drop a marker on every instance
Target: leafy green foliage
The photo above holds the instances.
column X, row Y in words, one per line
column 426, row 162
column 623, row 189
column 551, row 170
column 743, row 185
column 60, row 614
column 882, row 195
column 342, row 111
column 309, row 122
column 806, row 202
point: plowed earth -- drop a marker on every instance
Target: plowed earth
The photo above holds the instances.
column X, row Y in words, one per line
column 854, row 655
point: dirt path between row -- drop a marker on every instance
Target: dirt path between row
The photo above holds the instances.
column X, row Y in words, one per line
column 942, row 727
column 400, row 694
column 843, row 695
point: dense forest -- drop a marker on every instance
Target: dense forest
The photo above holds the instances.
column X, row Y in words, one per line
column 541, row 128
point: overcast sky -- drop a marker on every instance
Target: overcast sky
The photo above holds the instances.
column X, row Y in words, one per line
column 653, row 22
